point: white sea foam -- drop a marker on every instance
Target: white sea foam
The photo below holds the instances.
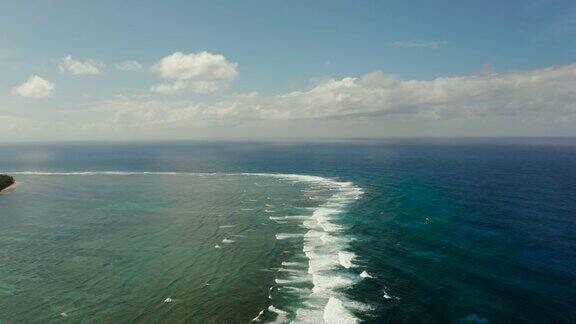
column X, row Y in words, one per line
column 386, row 296
column 257, row 318
column 295, row 280
column 346, row 259
column 284, row 236
column 291, row 270
column 326, row 248
column 365, row 274
column 276, row 310
column 336, row 313
column 281, row 316
column 291, row 264
column 295, row 291
column 289, row 218
column 326, row 284
column 319, row 262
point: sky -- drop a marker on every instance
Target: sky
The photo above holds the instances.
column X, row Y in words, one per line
column 171, row 70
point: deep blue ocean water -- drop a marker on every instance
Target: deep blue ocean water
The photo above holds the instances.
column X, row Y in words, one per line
column 474, row 230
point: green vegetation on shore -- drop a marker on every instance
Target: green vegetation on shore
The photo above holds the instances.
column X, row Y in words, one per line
column 6, row 181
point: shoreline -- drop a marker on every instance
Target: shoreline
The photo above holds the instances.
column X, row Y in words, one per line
column 6, row 181
column 10, row 187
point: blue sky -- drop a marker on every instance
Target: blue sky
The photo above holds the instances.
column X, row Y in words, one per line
column 277, row 48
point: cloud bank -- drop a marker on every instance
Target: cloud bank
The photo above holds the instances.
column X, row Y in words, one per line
column 546, row 92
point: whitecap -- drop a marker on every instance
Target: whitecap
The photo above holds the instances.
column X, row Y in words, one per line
column 288, row 218
column 365, row 274
column 284, row 236
column 257, row 318
column 327, row 283
column 291, row 264
column 276, row 310
column 290, row 281
column 336, row 313
column 346, row 259
column 281, row 316
column 386, row 296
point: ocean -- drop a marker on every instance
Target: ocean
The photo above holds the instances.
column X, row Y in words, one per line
column 371, row 231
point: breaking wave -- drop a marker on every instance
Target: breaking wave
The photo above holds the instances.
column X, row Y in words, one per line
column 325, row 246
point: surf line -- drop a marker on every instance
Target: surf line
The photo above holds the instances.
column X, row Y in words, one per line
column 330, row 264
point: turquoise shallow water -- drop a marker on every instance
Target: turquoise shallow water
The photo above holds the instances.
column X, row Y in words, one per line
column 172, row 247
column 448, row 231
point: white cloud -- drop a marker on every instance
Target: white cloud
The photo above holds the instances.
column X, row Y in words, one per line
column 88, row 67
column 202, row 65
column 201, row 87
column 35, row 87
column 129, row 66
column 546, row 93
column 421, row 44
column 201, row 72
column 207, row 86
column 170, row 88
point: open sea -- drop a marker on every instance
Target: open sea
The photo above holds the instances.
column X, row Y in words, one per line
column 370, row 231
